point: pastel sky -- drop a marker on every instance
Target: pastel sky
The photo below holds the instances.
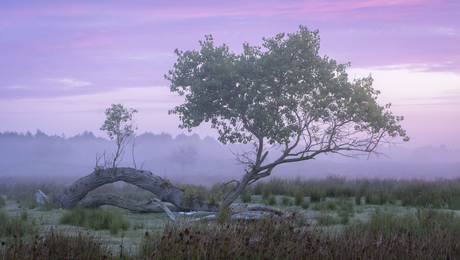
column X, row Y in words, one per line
column 62, row 63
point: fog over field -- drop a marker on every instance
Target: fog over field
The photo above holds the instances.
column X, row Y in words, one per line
column 202, row 160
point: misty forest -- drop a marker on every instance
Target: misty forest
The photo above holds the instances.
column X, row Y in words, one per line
column 305, row 164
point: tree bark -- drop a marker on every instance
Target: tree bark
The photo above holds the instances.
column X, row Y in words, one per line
column 143, row 179
column 117, row 201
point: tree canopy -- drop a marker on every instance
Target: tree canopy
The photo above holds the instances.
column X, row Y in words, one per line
column 281, row 94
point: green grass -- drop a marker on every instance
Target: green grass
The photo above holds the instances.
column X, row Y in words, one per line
column 271, row 200
column 96, row 219
column 305, row 204
column 395, row 214
column 286, row 201
column 299, row 197
column 19, row 225
column 2, row 202
column 246, row 196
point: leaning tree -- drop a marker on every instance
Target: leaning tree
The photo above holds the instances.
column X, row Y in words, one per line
column 282, row 97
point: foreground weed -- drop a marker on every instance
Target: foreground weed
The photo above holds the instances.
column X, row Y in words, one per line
column 53, row 245
column 271, row 239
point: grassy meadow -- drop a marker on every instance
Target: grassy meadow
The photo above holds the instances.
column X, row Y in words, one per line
column 332, row 218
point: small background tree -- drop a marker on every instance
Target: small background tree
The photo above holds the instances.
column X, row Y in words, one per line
column 119, row 126
column 184, row 154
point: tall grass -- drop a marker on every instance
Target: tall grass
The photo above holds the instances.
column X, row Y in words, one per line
column 96, row 219
column 2, row 202
column 19, row 225
column 439, row 193
column 24, row 192
column 423, row 235
column 54, row 245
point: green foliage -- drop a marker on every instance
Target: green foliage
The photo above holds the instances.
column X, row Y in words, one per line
column 118, row 123
column 246, row 196
column 193, row 194
column 259, row 93
column 217, row 192
column 94, row 218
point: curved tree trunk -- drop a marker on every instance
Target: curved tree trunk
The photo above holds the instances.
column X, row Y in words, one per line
column 142, row 179
column 114, row 200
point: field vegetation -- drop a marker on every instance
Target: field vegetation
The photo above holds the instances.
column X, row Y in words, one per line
column 333, row 218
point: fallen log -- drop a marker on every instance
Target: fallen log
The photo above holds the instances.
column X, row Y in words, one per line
column 146, row 180
column 117, row 201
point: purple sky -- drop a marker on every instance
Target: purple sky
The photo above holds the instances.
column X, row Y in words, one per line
column 62, row 63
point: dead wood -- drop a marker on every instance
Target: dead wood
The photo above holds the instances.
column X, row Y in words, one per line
column 143, row 179
column 117, row 201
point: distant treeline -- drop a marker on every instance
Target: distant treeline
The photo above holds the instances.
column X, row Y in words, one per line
column 190, row 158
column 82, row 148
